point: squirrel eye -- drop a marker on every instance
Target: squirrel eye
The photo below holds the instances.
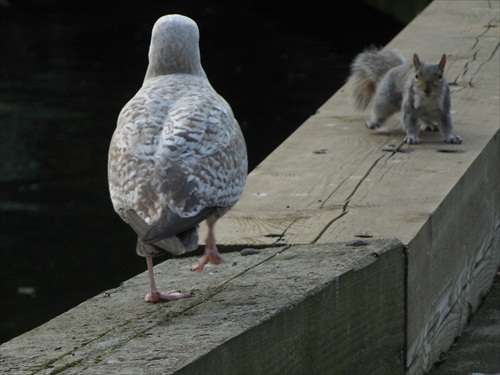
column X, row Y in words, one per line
column 416, row 76
column 440, row 76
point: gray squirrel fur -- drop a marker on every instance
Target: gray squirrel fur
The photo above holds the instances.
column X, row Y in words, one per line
column 417, row 89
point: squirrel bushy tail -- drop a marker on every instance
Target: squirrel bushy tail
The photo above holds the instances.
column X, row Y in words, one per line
column 367, row 70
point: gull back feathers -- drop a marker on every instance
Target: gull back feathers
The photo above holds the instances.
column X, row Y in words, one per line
column 177, row 156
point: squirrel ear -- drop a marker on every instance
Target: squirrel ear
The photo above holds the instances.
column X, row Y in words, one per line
column 416, row 61
column 442, row 62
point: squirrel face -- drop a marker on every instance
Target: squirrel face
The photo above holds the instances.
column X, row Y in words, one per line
column 428, row 77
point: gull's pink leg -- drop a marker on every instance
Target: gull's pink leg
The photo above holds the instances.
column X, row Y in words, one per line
column 154, row 295
column 211, row 255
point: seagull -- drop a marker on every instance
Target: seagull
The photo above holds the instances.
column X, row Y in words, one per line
column 177, row 156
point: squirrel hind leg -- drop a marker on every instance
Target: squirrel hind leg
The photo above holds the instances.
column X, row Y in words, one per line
column 372, row 124
column 381, row 111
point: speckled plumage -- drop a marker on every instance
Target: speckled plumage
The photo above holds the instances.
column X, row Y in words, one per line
column 177, row 156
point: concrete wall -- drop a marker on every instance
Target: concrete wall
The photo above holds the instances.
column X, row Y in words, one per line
column 315, row 309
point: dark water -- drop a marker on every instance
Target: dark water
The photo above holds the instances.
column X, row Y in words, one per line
column 66, row 70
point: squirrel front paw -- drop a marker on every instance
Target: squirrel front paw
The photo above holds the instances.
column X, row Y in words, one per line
column 455, row 139
column 412, row 139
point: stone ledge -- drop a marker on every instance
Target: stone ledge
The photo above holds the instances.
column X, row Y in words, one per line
column 295, row 309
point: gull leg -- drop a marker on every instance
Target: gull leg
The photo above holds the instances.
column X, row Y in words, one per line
column 154, row 295
column 211, row 255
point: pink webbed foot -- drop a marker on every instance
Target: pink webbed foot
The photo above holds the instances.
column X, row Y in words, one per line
column 209, row 257
column 156, row 296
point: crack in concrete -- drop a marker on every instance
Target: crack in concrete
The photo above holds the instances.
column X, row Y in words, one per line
column 98, row 357
column 344, row 212
column 77, row 362
column 280, row 236
column 346, row 178
column 482, row 63
column 348, row 199
column 476, row 47
column 333, row 192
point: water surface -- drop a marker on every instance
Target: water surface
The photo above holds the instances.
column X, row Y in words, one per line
column 66, row 70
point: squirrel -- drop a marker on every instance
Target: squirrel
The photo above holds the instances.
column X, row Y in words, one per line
column 419, row 90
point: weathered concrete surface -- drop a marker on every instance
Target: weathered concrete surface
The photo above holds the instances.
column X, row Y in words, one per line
column 458, row 252
column 477, row 350
column 331, row 308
